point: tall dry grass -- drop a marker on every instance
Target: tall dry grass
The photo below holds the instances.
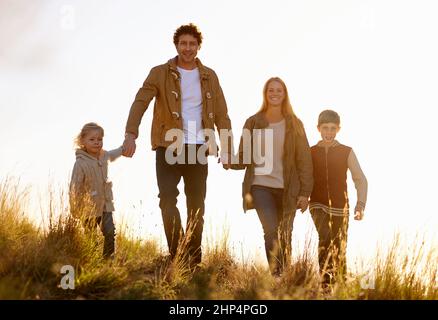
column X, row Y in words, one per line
column 31, row 259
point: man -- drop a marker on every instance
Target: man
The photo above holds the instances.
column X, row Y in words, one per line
column 188, row 100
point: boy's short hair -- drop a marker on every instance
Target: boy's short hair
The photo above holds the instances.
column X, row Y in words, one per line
column 187, row 29
column 329, row 116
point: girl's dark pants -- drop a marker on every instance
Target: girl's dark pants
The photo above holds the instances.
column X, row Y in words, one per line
column 106, row 224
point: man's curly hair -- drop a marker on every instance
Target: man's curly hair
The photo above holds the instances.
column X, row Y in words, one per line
column 187, row 29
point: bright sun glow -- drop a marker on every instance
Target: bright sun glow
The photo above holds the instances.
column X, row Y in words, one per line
column 373, row 62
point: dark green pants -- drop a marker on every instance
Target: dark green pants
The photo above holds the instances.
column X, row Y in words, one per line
column 332, row 244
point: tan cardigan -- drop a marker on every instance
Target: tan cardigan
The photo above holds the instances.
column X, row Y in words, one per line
column 90, row 191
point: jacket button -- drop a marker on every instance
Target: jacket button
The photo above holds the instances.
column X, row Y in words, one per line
column 208, row 95
column 175, row 75
column 175, row 114
column 210, row 115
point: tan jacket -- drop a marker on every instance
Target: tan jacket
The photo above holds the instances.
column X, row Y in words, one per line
column 163, row 84
column 90, row 191
column 297, row 165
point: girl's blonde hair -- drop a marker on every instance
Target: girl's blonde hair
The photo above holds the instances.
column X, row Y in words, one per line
column 91, row 126
column 286, row 107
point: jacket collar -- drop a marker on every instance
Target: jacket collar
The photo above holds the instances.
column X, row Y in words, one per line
column 172, row 63
column 335, row 144
column 260, row 121
column 81, row 154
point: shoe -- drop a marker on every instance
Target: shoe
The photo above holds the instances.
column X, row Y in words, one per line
column 327, row 290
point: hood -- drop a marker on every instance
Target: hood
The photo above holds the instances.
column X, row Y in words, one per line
column 335, row 143
column 81, row 154
column 260, row 121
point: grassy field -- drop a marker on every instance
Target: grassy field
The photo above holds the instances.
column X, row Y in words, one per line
column 31, row 259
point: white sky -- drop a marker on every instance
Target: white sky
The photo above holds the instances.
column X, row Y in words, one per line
column 65, row 63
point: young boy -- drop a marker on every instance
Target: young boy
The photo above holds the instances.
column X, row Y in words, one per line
column 329, row 199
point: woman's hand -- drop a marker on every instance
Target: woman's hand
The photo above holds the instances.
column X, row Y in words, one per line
column 302, row 203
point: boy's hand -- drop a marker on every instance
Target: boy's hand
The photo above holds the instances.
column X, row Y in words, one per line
column 358, row 215
column 302, row 203
column 359, row 212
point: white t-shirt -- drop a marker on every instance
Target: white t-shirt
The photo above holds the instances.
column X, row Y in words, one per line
column 270, row 149
column 191, row 106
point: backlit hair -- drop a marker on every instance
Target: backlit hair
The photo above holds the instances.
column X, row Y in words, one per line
column 86, row 129
column 286, row 106
column 188, row 29
column 327, row 116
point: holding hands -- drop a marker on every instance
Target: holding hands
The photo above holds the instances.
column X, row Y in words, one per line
column 302, row 203
column 225, row 159
column 129, row 145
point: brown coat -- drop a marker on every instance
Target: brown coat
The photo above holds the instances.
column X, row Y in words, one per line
column 297, row 165
column 163, row 83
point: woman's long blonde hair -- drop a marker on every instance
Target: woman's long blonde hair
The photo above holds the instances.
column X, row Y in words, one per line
column 286, row 107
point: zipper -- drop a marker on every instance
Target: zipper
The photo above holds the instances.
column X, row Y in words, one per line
column 327, row 177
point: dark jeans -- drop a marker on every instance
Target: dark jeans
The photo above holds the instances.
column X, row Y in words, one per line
column 195, row 178
column 332, row 245
column 277, row 226
column 106, row 224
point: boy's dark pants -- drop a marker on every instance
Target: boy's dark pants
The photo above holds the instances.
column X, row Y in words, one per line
column 332, row 231
column 195, row 178
column 106, row 224
column 277, row 226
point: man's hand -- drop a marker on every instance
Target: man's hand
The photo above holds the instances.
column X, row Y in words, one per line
column 129, row 145
column 302, row 203
column 225, row 159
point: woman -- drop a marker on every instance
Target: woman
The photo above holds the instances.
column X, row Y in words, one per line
column 283, row 181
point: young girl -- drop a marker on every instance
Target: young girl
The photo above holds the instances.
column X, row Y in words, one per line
column 277, row 190
column 91, row 197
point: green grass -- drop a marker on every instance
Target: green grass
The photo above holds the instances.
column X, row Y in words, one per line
column 31, row 259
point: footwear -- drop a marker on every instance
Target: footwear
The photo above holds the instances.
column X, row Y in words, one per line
column 327, row 290
column 276, row 272
column 195, row 267
column 277, row 275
